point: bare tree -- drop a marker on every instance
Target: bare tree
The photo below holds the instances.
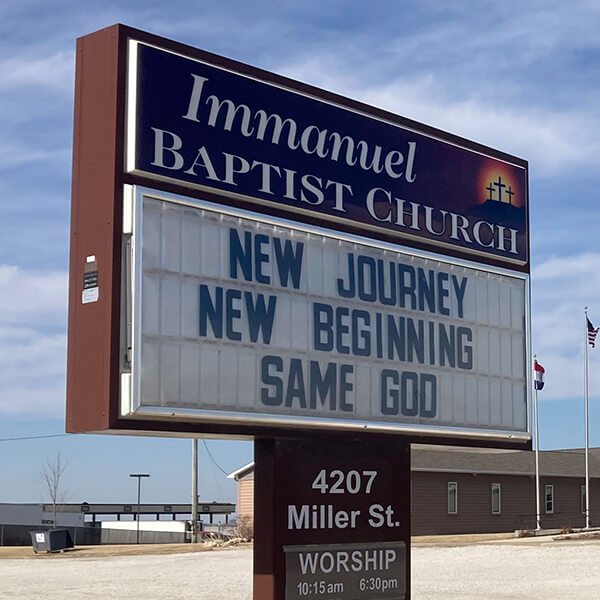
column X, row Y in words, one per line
column 51, row 476
column 245, row 527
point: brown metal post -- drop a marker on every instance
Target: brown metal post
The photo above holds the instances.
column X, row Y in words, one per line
column 332, row 499
column 96, row 221
column 266, row 570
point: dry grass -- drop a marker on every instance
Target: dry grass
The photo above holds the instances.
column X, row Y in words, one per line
column 464, row 539
column 582, row 536
column 113, row 550
column 157, row 549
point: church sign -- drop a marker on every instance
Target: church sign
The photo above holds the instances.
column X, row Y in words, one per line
column 251, row 255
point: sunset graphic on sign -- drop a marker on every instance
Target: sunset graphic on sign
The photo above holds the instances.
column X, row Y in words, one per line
column 497, row 182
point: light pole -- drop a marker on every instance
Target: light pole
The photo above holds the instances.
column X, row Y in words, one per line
column 139, row 478
column 195, row 490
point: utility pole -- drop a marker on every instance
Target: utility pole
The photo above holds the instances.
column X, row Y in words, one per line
column 139, row 486
column 195, row 491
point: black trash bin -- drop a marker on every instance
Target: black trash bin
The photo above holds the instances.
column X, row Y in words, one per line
column 52, row 540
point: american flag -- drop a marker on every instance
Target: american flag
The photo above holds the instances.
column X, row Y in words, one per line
column 592, row 333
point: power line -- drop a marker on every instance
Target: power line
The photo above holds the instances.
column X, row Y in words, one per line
column 34, row 437
column 213, row 460
column 212, row 470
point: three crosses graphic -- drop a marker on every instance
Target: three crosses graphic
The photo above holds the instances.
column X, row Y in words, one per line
column 498, row 186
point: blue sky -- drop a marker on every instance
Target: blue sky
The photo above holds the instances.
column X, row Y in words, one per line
column 523, row 77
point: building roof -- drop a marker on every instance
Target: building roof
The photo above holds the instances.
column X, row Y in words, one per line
column 242, row 472
column 557, row 463
column 217, row 508
column 454, row 459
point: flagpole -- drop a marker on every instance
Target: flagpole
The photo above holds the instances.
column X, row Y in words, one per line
column 537, row 461
column 587, row 427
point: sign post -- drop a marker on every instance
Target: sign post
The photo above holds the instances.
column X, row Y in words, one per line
column 332, row 520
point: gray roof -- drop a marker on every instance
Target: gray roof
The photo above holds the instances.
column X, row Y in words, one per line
column 454, row 459
column 564, row 463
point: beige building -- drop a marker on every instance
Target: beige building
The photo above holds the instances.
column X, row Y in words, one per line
column 245, row 492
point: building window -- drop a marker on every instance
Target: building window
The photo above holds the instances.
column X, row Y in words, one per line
column 452, row 498
column 496, row 499
column 583, row 507
column 549, row 495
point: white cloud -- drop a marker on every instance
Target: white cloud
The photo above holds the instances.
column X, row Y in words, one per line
column 561, row 287
column 30, row 295
column 515, row 38
column 15, row 154
column 33, row 401
column 32, row 341
column 54, row 72
column 569, row 266
column 32, row 372
column 564, row 378
column 553, row 140
column 544, row 137
column 513, row 80
column 37, row 354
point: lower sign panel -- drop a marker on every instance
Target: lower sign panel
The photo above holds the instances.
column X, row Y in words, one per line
column 239, row 318
column 373, row 571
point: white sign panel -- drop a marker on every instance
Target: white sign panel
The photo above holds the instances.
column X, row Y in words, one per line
column 235, row 318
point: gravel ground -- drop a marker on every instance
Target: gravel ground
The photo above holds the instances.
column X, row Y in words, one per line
column 218, row 575
column 502, row 572
column 480, row 572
